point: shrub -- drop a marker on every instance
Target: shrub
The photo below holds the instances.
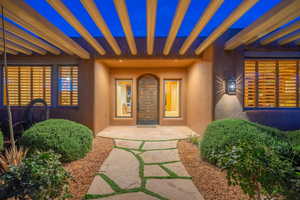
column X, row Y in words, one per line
column 253, row 156
column 38, row 177
column 294, row 139
column 70, row 139
column 1, row 141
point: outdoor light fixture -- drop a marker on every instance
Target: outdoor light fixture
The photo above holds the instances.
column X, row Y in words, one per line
column 231, row 87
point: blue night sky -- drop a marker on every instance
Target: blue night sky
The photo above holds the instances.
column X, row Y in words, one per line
column 137, row 13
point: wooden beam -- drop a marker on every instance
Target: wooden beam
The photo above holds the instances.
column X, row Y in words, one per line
column 281, row 32
column 11, row 37
column 181, row 9
column 273, row 17
column 95, row 14
column 8, row 50
column 71, row 19
column 26, row 36
column 42, row 27
column 291, row 38
column 204, row 19
column 15, row 47
column 234, row 16
column 125, row 22
column 151, row 20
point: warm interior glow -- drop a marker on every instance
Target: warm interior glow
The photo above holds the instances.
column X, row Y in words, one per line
column 68, row 86
column 124, row 98
column 172, row 98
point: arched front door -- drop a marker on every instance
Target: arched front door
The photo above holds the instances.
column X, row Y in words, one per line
column 148, row 100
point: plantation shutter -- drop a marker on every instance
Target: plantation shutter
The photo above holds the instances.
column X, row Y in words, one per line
column 287, row 83
column 267, row 84
column 250, row 84
column 26, row 83
column 68, row 85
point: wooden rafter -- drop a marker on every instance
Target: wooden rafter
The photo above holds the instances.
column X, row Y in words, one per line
column 291, row 38
column 273, row 28
column 42, row 27
column 277, row 14
column 71, row 19
column 11, row 37
column 8, row 50
column 95, row 14
column 207, row 15
column 15, row 47
column 125, row 22
column 281, row 32
column 26, row 36
column 234, row 16
column 151, row 20
column 181, row 9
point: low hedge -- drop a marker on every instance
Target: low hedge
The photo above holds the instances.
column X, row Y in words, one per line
column 257, row 158
column 1, row 140
column 70, row 139
column 294, row 139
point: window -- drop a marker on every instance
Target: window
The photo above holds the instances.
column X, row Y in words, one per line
column 271, row 84
column 172, row 98
column 68, row 86
column 26, row 83
column 123, row 98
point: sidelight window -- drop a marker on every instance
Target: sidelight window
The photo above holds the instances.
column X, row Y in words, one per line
column 172, row 98
column 123, row 98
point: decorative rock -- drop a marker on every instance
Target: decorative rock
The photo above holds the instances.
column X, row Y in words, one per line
column 154, row 170
column 178, row 168
column 123, row 168
column 160, row 145
column 99, row 186
column 175, row 189
column 130, row 196
column 128, row 144
column 160, row 156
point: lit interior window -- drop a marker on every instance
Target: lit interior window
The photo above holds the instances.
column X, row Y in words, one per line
column 124, row 98
column 172, row 98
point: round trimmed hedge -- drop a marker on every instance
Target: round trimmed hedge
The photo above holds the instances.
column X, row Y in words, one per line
column 1, row 140
column 70, row 139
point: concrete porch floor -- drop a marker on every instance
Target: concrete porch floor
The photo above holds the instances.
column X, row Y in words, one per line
column 147, row 133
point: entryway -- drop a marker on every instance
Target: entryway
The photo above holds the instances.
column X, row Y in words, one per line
column 148, row 98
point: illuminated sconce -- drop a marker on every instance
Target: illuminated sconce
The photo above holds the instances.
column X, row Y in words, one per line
column 231, row 87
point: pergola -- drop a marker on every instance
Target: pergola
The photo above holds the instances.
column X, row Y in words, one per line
column 46, row 37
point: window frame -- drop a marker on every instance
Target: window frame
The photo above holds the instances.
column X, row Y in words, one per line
column 277, row 84
column 180, row 100
column 57, row 92
column 2, row 103
column 115, row 106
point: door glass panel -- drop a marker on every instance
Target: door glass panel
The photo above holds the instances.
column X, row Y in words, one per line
column 172, row 98
column 123, row 98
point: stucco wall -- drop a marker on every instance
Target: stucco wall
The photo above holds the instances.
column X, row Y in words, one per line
column 101, row 97
column 199, row 93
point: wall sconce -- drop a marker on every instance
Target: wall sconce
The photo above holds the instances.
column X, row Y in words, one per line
column 231, row 87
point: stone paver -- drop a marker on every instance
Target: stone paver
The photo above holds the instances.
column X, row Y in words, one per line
column 128, row 144
column 160, row 156
column 99, row 186
column 177, row 189
column 154, row 170
column 144, row 165
column 160, row 145
column 123, row 168
column 178, row 168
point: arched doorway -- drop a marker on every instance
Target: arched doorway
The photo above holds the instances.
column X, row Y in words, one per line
column 148, row 100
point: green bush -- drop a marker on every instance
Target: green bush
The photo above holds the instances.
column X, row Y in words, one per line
column 294, row 139
column 70, row 139
column 254, row 156
column 1, row 141
column 39, row 177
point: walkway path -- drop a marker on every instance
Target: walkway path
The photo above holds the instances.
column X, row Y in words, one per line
column 143, row 166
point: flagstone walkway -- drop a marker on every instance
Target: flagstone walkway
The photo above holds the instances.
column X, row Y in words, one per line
column 143, row 167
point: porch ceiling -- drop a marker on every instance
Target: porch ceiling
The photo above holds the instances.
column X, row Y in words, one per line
column 33, row 30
